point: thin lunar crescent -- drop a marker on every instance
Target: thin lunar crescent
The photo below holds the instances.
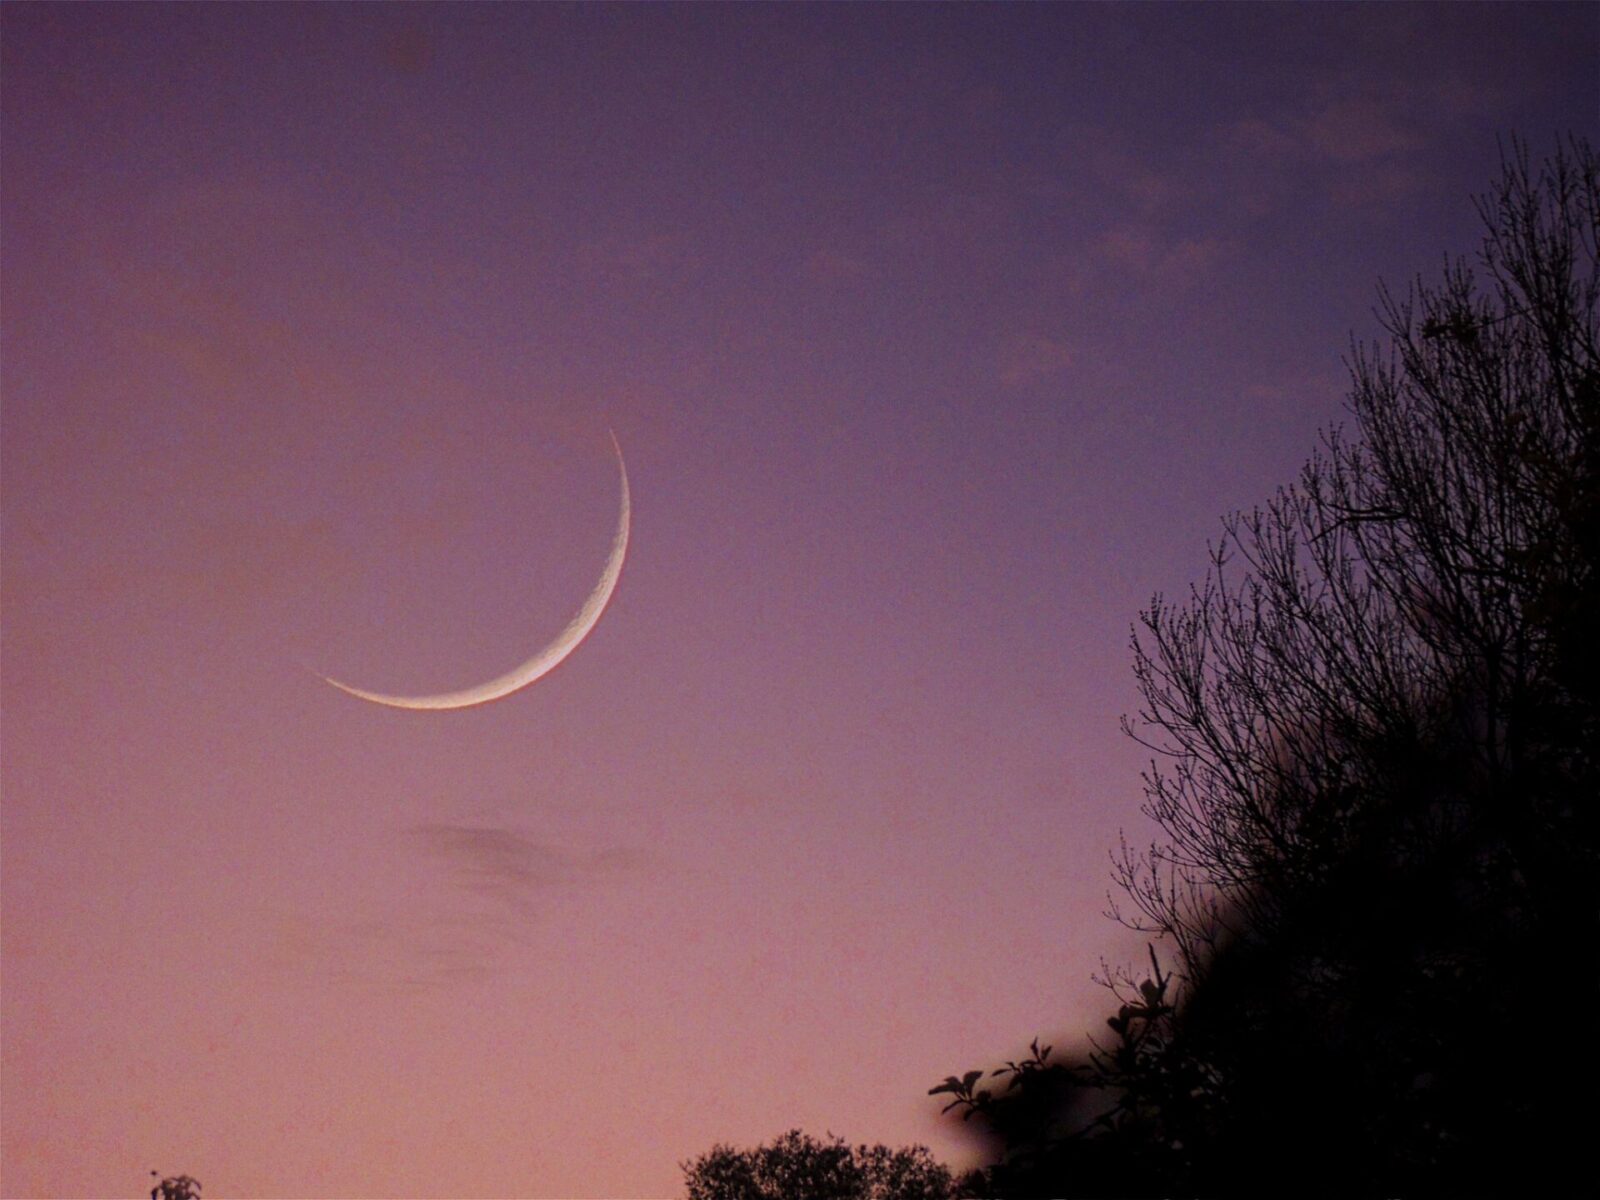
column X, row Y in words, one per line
column 547, row 659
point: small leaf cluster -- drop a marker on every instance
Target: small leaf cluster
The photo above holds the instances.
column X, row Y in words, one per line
column 962, row 1089
column 972, row 1099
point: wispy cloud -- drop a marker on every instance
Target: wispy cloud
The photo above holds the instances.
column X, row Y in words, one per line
column 1310, row 389
column 1140, row 185
column 1142, row 252
column 832, row 266
column 1144, row 258
column 1026, row 357
column 1356, row 130
column 514, row 870
column 479, row 894
column 1364, row 142
column 653, row 257
column 1341, row 133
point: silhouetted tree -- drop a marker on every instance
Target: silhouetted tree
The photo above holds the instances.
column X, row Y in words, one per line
column 1424, row 589
column 797, row 1166
column 175, row 1187
column 1378, row 777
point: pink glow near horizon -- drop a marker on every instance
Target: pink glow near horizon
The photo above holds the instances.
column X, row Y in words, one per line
column 937, row 339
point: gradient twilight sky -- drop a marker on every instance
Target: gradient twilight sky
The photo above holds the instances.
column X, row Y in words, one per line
column 937, row 339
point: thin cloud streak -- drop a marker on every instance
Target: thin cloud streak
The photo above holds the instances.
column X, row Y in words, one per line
column 479, row 896
column 515, row 870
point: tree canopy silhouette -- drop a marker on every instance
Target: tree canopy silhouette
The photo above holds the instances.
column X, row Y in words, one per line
column 1376, row 779
column 799, row 1165
column 175, row 1187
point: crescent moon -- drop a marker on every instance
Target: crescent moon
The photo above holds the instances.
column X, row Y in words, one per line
column 546, row 660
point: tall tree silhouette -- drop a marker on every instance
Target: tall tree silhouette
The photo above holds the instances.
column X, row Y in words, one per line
column 1376, row 779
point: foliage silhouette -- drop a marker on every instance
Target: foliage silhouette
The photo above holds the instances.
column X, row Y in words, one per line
column 1376, row 734
column 175, row 1187
column 798, row 1165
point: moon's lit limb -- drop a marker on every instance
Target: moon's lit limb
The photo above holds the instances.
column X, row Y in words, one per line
column 547, row 659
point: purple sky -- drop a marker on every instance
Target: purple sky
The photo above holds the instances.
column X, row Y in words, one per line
column 936, row 339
